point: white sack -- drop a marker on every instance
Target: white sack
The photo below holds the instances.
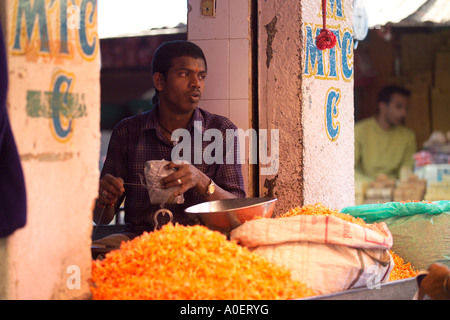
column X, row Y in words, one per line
column 326, row 253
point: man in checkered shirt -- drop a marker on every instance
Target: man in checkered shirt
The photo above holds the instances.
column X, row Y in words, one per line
column 179, row 70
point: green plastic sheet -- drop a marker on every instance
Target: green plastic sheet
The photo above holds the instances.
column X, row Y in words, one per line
column 421, row 230
column 375, row 212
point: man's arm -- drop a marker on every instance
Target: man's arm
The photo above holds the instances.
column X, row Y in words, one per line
column 103, row 214
column 110, row 190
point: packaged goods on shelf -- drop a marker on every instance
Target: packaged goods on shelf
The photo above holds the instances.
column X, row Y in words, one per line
column 438, row 190
column 380, row 190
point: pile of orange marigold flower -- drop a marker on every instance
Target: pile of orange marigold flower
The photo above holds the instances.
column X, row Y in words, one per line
column 401, row 269
column 320, row 209
column 178, row 262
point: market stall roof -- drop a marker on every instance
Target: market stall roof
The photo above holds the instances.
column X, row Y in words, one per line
column 408, row 12
column 180, row 28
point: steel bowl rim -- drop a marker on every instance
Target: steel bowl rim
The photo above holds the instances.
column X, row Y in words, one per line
column 269, row 200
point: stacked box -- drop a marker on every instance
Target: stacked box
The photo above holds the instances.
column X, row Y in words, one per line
column 380, row 190
column 412, row 189
column 439, row 190
column 442, row 70
column 418, row 117
column 440, row 109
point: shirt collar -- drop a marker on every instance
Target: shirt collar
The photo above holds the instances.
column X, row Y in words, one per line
column 153, row 123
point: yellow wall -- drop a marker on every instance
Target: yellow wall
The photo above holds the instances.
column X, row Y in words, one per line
column 53, row 105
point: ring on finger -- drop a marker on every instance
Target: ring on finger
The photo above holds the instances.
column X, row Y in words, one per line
column 179, row 181
column 105, row 193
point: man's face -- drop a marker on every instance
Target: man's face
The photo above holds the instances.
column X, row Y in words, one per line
column 395, row 111
column 183, row 87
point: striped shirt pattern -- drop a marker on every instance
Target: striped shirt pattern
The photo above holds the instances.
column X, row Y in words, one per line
column 138, row 139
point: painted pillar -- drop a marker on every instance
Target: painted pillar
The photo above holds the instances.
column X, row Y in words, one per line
column 54, row 110
column 307, row 95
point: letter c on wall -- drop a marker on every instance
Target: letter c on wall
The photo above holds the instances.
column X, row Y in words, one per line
column 59, row 102
column 331, row 113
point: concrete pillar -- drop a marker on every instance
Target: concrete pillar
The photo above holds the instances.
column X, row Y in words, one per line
column 54, row 110
column 307, row 95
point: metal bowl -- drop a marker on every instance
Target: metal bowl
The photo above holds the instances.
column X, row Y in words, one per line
column 228, row 214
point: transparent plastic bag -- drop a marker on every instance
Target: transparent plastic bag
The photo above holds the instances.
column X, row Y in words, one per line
column 154, row 171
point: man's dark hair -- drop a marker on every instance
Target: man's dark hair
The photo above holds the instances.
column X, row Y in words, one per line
column 166, row 52
column 386, row 93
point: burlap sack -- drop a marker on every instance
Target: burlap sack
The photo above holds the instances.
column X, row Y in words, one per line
column 327, row 253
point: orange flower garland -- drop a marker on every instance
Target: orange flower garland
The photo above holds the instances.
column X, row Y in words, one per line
column 178, row 262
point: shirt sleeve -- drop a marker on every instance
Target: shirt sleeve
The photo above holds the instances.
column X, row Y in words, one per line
column 115, row 162
column 229, row 178
column 116, row 157
column 229, row 175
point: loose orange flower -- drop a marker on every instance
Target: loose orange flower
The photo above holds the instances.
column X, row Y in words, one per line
column 319, row 209
column 417, row 201
column 401, row 269
column 178, row 262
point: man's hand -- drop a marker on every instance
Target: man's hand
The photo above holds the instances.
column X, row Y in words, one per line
column 110, row 189
column 435, row 284
column 186, row 177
